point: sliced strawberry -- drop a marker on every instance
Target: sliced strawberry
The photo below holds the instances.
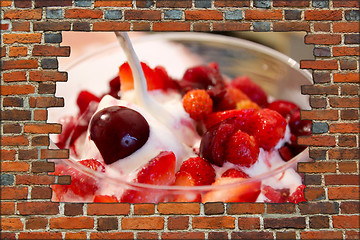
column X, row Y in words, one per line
column 201, row 171
column 298, row 195
column 267, row 126
column 276, row 195
column 185, row 179
column 285, row 153
column 230, row 99
column 197, row 103
column 159, row 171
column 242, row 149
column 285, row 108
column 251, row 89
column 93, row 164
column 217, row 117
column 242, row 192
column 105, row 198
column 234, row 173
column 247, row 104
column 84, row 99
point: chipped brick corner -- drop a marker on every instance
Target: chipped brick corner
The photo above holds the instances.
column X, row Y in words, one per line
column 31, row 37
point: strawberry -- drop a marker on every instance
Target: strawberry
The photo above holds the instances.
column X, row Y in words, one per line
column 285, row 153
column 84, row 99
column 216, row 117
column 242, row 149
column 230, row 99
column 267, row 126
column 197, row 103
column 247, row 104
column 158, row 171
column 81, row 184
column 105, row 198
column 276, row 195
column 251, row 89
column 201, row 171
column 184, row 178
column 242, row 192
column 285, row 108
column 298, row 195
column 234, row 173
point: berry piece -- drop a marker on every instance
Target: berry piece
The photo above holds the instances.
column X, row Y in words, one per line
column 285, row 153
column 242, row 115
column 298, row 195
column 230, row 99
column 242, row 192
column 285, row 108
column 84, row 99
column 185, row 179
column 118, row 132
column 234, row 173
column 197, row 103
column 267, row 126
column 105, row 198
column 93, row 164
column 276, row 195
column 299, row 127
column 242, row 149
column 114, row 85
column 247, row 104
column 201, row 171
column 251, row 89
column 159, row 171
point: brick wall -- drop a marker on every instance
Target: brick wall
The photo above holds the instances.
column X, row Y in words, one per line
column 31, row 34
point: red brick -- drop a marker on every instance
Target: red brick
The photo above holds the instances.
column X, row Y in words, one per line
column 41, row 192
column 54, row 153
column 14, row 193
column 40, row 235
column 20, row 26
column 319, row 89
column 40, row 140
column 178, row 208
column 342, row 179
column 7, row 154
column 321, row 27
column 183, row 235
column 350, row 89
column 108, row 209
column 17, row 51
column 26, row 154
column 346, row 77
column 245, row 208
column 263, row 14
column 45, row 76
column 40, row 115
column 286, row 235
column 5, row 3
column 36, row 223
column 5, row 26
column 178, row 223
column 15, row 166
column 23, row 3
column 252, row 235
column 352, row 234
column 111, row 26
column 326, row 39
column 348, row 3
column 72, row 223
column 201, row 27
column 22, row 38
column 280, row 208
column 319, row 115
column 51, row 26
column 141, row 26
column 147, row 235
column 348, row 102
column 174, row 4
column 321, row 15
column 343, row 193
column 17, row 89
column 16, row 115
column 142, row 15
column 108, row 3
column 14, row 141
column 11, row 224
column 319, row 222
column 350, row 207
column 314, row 193
column 3, row 51
column 346, row 222
column 345, row 51
column 83, row 13
column 293, row 3
column 222, row 222
column 42, row 102
column 203, row 15
column 144, row 209
column 346, row 27
column 40, row 50
column 317, row 167
column 343, row 153
column 34, row 180
column 38, row 208
column 171, row 26
column 7, row 208
column 142, row 223
column 248, row 223
column 347, row 167
column 231, row 26
column 212, row 208
column 75, row 235
column 20, row 64
column 290, row 26
column 231, row 3
column 321, row 235
column 42, row 166
column 344, row 128
column 42, row 128
column 35, row 14
column 112, row 235
column 321, row 141
column 319, row 64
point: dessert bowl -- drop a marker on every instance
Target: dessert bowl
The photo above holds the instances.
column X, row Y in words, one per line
column 279, row 76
